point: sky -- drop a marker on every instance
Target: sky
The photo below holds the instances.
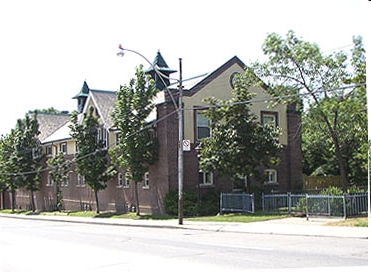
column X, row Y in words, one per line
column 49, row 48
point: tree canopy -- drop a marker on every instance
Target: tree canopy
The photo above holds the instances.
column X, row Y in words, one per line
column 92, row 161
column 239, row 142
column 137, row 146
column 333, row 89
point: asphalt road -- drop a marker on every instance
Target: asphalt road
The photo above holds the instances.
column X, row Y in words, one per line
column 32, row 245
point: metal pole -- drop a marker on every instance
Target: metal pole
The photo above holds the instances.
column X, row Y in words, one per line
column 180, row 147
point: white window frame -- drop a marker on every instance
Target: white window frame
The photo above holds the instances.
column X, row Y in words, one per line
column 269, row 117
column 206, row 178
column 66, row 182
column 126, row 181
column 120, row 180
column 63, row 148
column 146, row 181
column 270, row 176
column 199, row 125
column 49, row 181
column 80, row 181
column 102, row 136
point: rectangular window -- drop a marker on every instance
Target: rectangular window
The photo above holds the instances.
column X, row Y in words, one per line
column 120, row 180
column 102, row 136
column 49, row 150
column 65, row 182
column 270, row 176
column 63, row 148
column 202, row 126
column 117, row 138
column 146, row 181
column 269, row 117
column 206, row 178
column 80, row 181
column 49, row 181
column 127, row 181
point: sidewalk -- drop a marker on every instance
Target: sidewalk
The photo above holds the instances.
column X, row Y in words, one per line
column 285, row 226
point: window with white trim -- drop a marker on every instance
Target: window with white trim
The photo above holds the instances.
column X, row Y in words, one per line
column 206, row 178
column 269, row 117
column 270, row 176
column 120, row 180
column 102, row 136
column 49, row 181
column 49, row 151
column 65, row 182
column 146, row 181
column 63, row 148
column 202, row 126
column 127, row 181
column 80, row 181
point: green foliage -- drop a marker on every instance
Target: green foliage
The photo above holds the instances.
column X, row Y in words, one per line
column 189, row 203
column 239, row 143
column 59, row 168
column 138, row 147
column 209, row 204
column 24, row 156
column 334, row 127
column 332, row 191
column 92, row 161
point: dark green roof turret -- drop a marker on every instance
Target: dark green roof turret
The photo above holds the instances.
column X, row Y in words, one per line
column 82, row 96
column 160, row 64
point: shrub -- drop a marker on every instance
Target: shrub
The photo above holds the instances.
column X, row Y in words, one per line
column 189, row 203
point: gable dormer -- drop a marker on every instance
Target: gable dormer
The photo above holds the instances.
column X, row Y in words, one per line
column 161, row 66
column 81, row 97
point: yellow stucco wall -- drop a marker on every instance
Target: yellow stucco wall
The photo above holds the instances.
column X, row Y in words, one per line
column 220, row 88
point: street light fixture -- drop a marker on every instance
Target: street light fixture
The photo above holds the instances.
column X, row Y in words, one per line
column 179, row 109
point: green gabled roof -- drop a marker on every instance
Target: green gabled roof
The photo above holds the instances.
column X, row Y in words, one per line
column 160, row 64
column 83, row 92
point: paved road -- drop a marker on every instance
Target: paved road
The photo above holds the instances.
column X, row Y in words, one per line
column 35, row 245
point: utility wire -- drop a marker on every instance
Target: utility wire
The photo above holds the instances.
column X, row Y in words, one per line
column 265, row 100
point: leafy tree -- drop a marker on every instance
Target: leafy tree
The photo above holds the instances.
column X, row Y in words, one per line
column 92, row 159
column 7, row 180
column 59, row 168
column 9, row 168
column 49, row 110
column 239, row 143
column 27, row 156
column 137, row 147
column 297, row 67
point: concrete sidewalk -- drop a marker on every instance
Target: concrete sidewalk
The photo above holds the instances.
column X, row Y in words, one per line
column 285, row 226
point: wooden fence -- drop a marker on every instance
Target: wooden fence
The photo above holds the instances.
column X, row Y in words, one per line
column 320, row 182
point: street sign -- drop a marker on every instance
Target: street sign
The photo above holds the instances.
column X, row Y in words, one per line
column 186, row 145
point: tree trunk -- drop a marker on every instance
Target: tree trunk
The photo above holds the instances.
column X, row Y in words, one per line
column 13, row 199
column 136, row 198
column 58, row 203
column 32, row 200
column 96, row 200
column 340, row 159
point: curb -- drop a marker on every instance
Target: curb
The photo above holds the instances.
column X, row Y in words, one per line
column 271, row 227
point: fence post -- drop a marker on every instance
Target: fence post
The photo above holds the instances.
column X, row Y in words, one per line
column 328, row 204
column 289, row 202
column 221, row 203
column 306, row 207
column 263, row 207
column 253, row 203
column 344, row 206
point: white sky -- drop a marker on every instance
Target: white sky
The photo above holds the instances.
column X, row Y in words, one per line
column 48, row 48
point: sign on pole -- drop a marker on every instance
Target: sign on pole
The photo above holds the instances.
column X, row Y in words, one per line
column 186, row 145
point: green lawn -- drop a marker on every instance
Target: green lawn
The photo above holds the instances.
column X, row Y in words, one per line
column 233, row 217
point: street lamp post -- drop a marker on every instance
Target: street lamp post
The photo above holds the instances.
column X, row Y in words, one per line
column 179, row 109
column 180, row 147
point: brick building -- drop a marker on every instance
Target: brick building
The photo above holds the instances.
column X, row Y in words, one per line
column 163, row 175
